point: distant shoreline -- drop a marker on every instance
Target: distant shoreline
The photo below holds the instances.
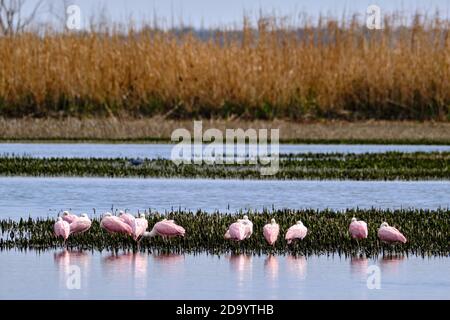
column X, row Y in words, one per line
column 159, row 130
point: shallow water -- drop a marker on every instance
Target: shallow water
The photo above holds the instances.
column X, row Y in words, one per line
column 150, row 276
column 151, row 151
column 41, row 197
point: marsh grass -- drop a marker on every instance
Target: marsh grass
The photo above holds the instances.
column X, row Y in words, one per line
column 368, row 166
column 427, row 231
column 269, row 70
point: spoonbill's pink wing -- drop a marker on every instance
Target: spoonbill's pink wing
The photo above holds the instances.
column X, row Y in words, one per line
column 62, row 229
column 296, row 232
column 391, row 234
column 236, row 231
column 70, row 218
column 80, row 225
column 139, row 227
column 271, row 232
column 128, row 219
column 115, row 224
column 169, row 229
column 248, row 230
column 358, row 229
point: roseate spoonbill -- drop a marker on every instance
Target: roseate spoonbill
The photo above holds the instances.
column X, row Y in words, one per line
column 236, row 231
column 114, row 224
column 297, row 231
column 390, row 234
column 358, row 229
column 248, row 226
column 271, row 231
column 67, row 216
column 140, row 226
column 61, row 229
column 80, row 225
column 166, row 228
column 127, row 218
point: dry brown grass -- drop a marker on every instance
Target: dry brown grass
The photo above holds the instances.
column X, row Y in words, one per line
column 347, row 72
column 158, row 128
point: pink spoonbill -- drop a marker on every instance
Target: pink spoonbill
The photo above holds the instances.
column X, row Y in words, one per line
column 358, row 229
column 271, row 231
column 67, row 216
column 127, row 218
column 236, row 231
column 139, row 227
column 166, row 228
column 390, row 234
column 80, row 225
column 114, row 224
column 248, row 226
column 297, row 231
column 61, row 229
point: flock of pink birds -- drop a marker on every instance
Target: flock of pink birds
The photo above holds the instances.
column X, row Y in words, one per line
column 125, row 223
column 238, row 231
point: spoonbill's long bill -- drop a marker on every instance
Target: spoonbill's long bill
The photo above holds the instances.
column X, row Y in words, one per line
column 127, row 218
column 358, row 229
column 80, row 225
column 139, row 227
column 67, row 216
column 297, row 231
column 166, row 228
column 61, row 229
column 114, row 224
column 390, row 234
column 271, row 231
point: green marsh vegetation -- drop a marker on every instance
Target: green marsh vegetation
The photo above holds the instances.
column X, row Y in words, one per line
column 427, row 231
column 369, row 166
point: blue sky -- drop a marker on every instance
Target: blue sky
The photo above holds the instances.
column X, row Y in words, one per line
column 227, row 12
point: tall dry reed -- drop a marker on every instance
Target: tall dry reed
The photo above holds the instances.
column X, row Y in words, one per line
column 271, row 70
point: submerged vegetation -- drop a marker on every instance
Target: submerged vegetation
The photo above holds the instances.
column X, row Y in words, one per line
column 368, row 166
column 428, row 233
column 274, row 69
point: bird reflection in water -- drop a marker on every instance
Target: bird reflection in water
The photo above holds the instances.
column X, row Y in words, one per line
column 68, row 262
column 126, row 264
column 169, row 259
column 271, row 267
column 391, row 263
column 359, row 266
column 297, row 266
column 241, row 265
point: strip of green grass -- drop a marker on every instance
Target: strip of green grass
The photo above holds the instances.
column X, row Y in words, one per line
column 369, row 166
column 428, row 233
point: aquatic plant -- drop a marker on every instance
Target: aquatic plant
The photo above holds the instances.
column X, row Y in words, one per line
column 427, row 231
column 369, row 166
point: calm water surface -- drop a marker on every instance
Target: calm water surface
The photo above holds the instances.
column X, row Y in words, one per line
column 40, row 197
column 151, row 151
column 150, row 276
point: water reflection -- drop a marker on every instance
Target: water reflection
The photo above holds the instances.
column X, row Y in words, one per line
column 297, row 266
column 271, row 267
column 142, row 275
column 168, row 258
column 241, row 266
column 392, row 263
column 359, row 266
column 73, row 268
column 126, row 264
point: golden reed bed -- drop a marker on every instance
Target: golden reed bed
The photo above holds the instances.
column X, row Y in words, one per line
column 266, row 71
